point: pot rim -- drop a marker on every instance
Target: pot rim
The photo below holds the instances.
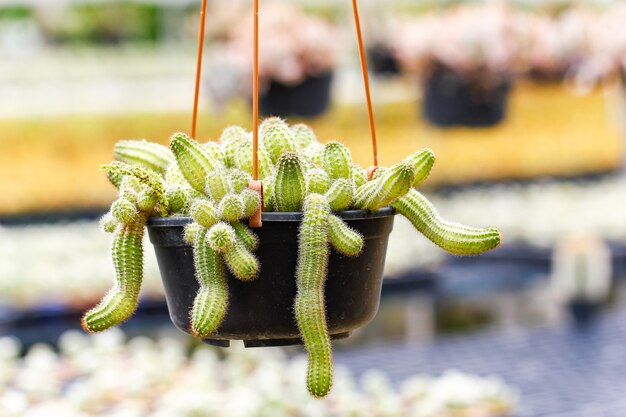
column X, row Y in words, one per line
column 279, row 217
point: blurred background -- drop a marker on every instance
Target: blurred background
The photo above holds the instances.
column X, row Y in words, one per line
column 523, row 102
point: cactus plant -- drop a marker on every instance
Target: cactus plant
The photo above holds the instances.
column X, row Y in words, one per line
column 209, row 183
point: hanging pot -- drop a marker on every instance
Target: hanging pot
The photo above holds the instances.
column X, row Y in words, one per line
column 310, row 98
column 450, row 100
column 261, row 312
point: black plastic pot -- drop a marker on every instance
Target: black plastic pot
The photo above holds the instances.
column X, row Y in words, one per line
column 382, row 61
column 260, row 312
column 310, row 98
column 450, row 100
column 583, row 312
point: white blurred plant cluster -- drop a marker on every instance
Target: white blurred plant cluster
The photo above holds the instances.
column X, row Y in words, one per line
column 110, row 377
column 492, row 40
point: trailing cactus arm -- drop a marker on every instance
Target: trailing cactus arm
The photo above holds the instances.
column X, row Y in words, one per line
column 343, row 238
column 451, row 237
column 382, row 191
column 246, row 236
column 422, row 162
column 211, row 302
column 145, row 177
column 121, row 301
column 241, row 262
column 143, row 153
column 309, row 303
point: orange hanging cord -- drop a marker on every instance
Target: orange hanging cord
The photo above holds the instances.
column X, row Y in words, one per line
column 366, row 84
column 255, row 184
column 194, row 118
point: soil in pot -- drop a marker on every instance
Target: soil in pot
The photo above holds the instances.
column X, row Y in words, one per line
column 261, row 312
column 450, row 100
column 310, row 98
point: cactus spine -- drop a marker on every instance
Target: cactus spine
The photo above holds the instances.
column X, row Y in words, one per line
column 451, row 237
column 121, row 301
column 309, row 303
column 211, row 302
column 289, row 185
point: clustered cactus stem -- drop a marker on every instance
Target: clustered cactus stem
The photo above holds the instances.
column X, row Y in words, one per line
column 209, row 183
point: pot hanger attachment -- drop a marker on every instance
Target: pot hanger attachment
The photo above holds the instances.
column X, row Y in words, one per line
column 255, row 184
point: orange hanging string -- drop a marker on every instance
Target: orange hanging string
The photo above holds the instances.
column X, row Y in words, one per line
column 366, row 83
column 198, row 69
column 255, row 95
column 255, row 184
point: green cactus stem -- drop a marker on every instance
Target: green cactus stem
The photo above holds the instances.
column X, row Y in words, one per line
column 232, row 138
column 177, row 199
column 204, row 213
column 147, row 200
column 109, row 223
column 343, row 238
column 215, row 150
column 251, row 202
column 124, row 211
column 121, row 301
column 221, row 237
column 243, row 159
column 217, row 184
column 303, row 135
column 276, row 137
column 145, row 177
column 289, row 183
column 231, row 208
column 382, row 191
column 340, row 194
column 241, row 262
column 337, row 161
column 143, row 153
column 422, row 162
column 246, row 236
column 191, row 232
column 358, row 175
column 211, row 302
column 451, row 237
column 239, row 180
column 193, row 159
column 309, row 302
column 317, row 181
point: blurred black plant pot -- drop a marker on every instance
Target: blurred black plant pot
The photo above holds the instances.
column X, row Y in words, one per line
column 310, row 98
column 450, row 100
column 583, row 312
column 382, row 61
column 261, row 312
